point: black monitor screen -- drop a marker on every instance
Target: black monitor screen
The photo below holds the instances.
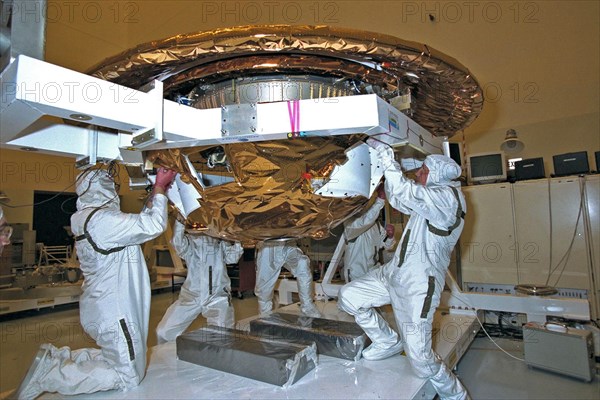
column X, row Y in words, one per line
column 488, row 165
column 571, row 163
column 455, row 153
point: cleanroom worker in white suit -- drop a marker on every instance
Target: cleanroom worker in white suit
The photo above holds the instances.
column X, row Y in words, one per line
column 364, row 237
column 5, row 231
column 207, row 288
column 413, row 280
column 114, row 307
column 272, row 255
column 389, row 243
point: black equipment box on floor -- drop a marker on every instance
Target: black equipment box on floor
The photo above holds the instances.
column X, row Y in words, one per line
column 339, row 339
column 268, row 360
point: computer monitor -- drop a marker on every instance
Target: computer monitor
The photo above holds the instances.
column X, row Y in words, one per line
column 486, row 167
column 455, row 150
column 531, row 168
column 571, row 163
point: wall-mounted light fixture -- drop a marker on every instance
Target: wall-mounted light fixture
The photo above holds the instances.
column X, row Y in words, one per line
column 511, row 143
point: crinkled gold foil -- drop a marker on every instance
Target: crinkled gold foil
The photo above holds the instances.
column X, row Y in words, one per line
column 446, row 97
column 269, row 197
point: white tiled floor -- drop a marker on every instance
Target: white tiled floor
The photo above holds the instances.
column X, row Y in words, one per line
column 486, row 371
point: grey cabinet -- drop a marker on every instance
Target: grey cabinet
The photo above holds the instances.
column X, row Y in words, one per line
column 543, row 232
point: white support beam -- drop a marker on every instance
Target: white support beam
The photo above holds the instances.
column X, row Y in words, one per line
column 187, row 127
column 67, row 140
column 536, row 308
column 335, row 260
column 32, row 90
column 47, row 89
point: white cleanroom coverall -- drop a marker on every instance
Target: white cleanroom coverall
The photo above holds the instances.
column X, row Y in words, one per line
column 272, row 255
column 413, row 280
column 389, row 244
column 364, row 237
column 5, row 231
column 115, row 304
column 207, row 286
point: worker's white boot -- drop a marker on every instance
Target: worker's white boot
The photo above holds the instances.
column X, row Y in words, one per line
column 310, row 310
column 308, row 307
column 378, row 352
column 265, row 307
column 30, row 386
column 447, row 385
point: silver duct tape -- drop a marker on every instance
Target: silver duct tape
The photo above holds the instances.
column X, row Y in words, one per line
column 338, row 339
column 237, row 352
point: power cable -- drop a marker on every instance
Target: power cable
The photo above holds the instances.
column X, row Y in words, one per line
column 483, row 328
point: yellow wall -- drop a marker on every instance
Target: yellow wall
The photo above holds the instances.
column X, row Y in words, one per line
column 22, row 173
column 542, row 139
column 538, row 62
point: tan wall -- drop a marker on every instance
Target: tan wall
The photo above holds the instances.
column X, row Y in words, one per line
column 22, row 173
column 542, row 139
column 538, row 62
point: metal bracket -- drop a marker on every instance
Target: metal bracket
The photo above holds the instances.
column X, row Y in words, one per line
column 401, row 102
column 84, row 162
column 90, row 159
column 137, row 176
column 238, row 119
column 358, row 176
column 153, row 134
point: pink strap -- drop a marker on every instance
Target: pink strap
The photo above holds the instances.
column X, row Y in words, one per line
column 294, row 115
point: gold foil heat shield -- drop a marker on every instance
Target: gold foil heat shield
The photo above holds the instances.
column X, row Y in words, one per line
column 269, row 193
column 446, row 98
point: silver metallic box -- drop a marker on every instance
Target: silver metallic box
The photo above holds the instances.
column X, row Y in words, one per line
column 567, row 351
column 338, row 339
column 268, row 360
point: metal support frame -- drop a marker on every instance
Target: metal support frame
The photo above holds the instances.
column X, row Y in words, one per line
column 37, row 97
column 536, row 308
column 154, row 133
